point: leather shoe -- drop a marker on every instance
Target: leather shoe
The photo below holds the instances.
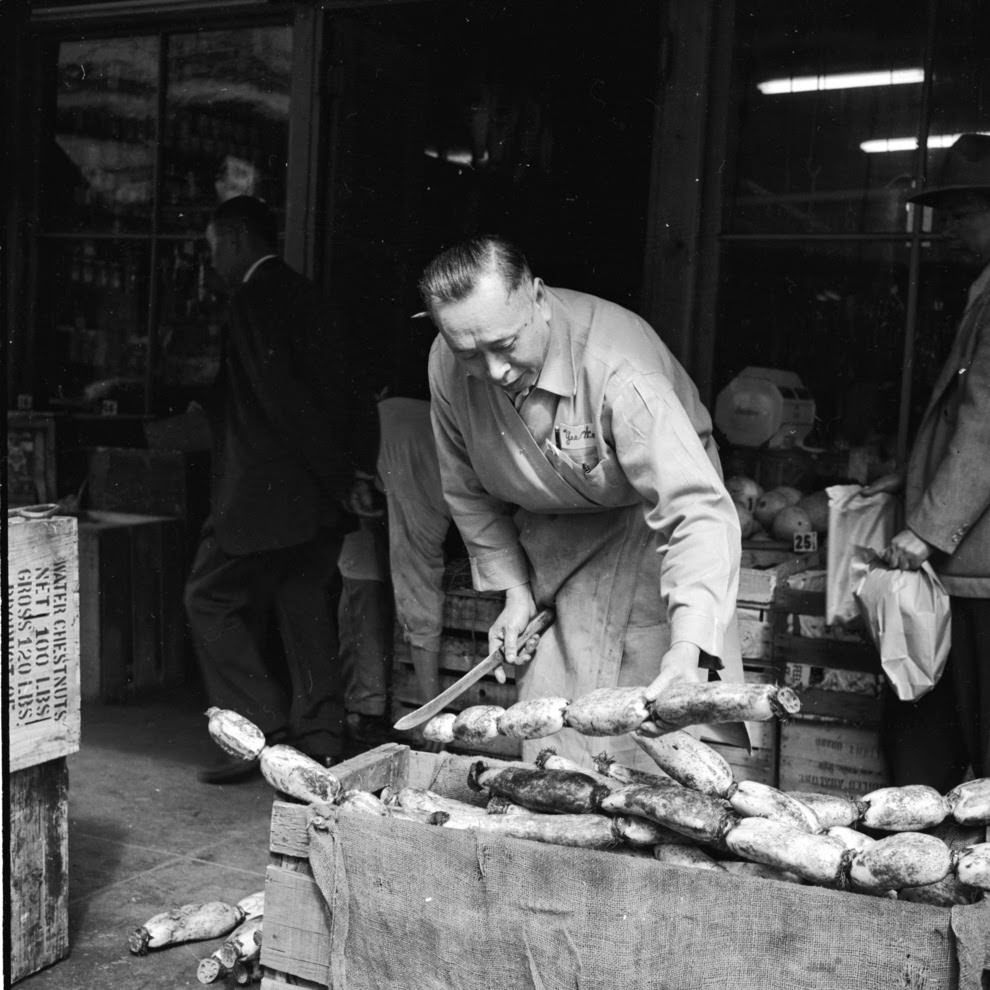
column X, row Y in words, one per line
column 228, row 770
column 368, row 730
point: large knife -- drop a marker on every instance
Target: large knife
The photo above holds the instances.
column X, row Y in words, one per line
column 538, row 625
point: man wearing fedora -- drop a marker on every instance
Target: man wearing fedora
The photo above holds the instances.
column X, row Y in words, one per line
column 946, row 486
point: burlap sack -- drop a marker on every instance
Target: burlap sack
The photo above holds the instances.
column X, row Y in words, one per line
column 412, row 906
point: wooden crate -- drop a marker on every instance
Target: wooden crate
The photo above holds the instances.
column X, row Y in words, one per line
column 132, row 622
column 471, row 611
column 830, row 755
column 43, row 690
column 582, row 917
column 764, row 570
column 38, row 874
column 755, row 632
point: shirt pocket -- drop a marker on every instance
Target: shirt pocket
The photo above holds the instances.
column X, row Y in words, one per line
column 604, row 483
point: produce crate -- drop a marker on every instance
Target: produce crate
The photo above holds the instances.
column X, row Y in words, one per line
column 132, row 625
column 466, row 610
column 38, row 867
column 43, row 714
column 413, row 905
column 834, row 756
column 765, row 568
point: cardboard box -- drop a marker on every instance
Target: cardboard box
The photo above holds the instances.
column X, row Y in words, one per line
column 831, row 756
column 38, row 878
column 413, row 905
column 43, row 690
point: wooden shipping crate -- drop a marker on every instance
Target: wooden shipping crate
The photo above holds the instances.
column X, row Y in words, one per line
column 764, row 570
column 415, row 905
column 43, row 690
column 38, row 871
column 831, row 755
column 132, row 624
column 467, row 610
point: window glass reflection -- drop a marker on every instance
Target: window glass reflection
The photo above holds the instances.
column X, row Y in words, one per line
column 817, row 82
column 100, row 170
column 226, row 121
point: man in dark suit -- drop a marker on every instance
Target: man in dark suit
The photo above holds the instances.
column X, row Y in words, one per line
column 285, row 450
column 946, row 733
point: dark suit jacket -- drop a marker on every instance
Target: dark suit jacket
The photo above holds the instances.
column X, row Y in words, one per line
column 283, row 414
column 947, row 493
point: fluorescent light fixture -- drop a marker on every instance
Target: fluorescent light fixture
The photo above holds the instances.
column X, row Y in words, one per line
column 881, row 145
column 841, row 80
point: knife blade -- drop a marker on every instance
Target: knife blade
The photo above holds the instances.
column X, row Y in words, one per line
column 537, row 625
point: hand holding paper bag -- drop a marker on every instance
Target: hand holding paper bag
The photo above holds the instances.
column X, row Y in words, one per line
column 908, row 617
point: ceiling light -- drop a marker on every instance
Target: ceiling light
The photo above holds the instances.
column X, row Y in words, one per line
column 880, row 145
column 842, row 80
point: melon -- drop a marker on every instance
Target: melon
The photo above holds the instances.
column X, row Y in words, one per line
column 744, row 490
column 792, row 494
column 816, row 505
column 790, row 521
column 747, row 524
column 767, row 506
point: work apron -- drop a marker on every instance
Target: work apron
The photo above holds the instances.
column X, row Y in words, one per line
column 601, row 572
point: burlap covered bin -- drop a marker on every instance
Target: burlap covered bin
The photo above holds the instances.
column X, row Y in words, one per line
column 359, row 902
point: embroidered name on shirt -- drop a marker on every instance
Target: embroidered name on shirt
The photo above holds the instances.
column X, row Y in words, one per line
column 579, row 437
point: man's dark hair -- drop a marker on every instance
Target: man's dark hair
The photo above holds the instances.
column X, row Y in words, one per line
column 453, row 273
column 252, row 214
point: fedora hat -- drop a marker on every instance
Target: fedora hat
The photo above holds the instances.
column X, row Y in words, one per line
column 966, row 169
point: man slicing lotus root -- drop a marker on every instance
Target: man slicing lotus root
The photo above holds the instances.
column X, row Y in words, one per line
column 578, row 463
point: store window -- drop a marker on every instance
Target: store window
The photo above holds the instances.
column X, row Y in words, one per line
column 825, row 271
column 144, row 136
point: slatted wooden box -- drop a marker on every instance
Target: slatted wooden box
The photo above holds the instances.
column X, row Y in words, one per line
column 449, row 908
column 43, row 727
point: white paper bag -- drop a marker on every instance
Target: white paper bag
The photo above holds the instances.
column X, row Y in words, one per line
column 855, row 524
column 909, row 619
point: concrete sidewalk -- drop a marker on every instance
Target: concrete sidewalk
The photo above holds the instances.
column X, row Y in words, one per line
column 145, row 836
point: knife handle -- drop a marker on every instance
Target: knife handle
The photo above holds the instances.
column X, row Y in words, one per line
column 538, row 625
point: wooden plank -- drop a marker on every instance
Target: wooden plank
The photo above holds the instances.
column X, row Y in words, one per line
column 289, row 835
column 43, row 693
column 277, row 983
column 759, row 585
column 384, row 766
column 38, row 877
column 471, row 610
column 296, row 926
column 824, row 652
column 755, row 632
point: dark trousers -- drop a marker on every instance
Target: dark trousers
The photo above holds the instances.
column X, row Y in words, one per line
column 938, row 738
column 228, row 600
